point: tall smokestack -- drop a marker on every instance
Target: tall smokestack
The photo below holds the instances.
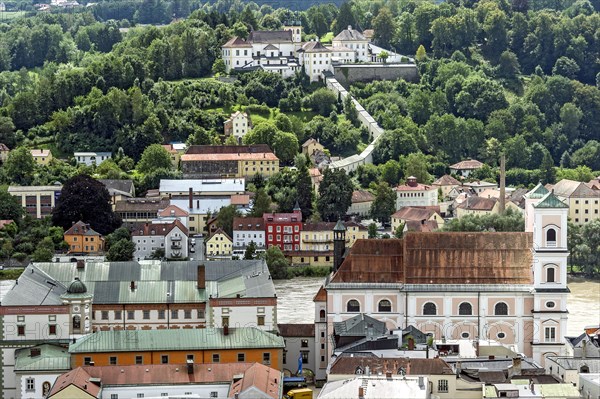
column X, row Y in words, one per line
column 191, row 198
column 502, row 183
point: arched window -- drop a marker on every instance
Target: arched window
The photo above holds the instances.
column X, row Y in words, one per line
column 384, row 306
column 550, row 236
column 550, row 277
column 358, row 371
column 322, row 314
column 353, row 306
column 429, row 309
column 501, row 309
column 465, row 309
column 584, row 369
column 76, row 322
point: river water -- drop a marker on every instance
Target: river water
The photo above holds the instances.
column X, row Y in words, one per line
column 294, row 304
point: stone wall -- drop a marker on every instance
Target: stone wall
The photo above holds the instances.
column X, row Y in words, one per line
column 347, row 74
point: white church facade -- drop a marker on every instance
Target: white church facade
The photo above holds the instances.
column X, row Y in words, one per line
column 509, row 287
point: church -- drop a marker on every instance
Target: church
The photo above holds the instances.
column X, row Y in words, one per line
column 510, row 287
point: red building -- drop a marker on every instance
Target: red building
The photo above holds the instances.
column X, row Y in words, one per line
column 283, row 229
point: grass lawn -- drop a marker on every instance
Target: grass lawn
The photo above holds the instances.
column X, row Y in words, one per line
column 327, row 37
column 10, row 15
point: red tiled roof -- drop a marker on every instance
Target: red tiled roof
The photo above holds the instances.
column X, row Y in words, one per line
column 240, row 199
column 176, row 211
column 349, row 364
column 265, row 156
column 296, row 330
column 413, row 213
column 467, row 164
column 78, row 377
column 158, row 229
column 39, row 153
column 220, row 231
column 248, row 224
column 237, row 42
column 4, row 222
column 321, row 295
column 362, row 196
column 423, row 226
column 169, row 148
column 416, row 187
column 440, row 258
column 263, row 378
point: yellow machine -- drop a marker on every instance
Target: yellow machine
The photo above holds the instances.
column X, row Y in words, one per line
column 300, row 393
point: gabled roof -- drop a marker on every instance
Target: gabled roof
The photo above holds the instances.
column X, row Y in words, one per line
column 79, row 378
column 347, row 363
column 173, row 210
column 125, row 185
column 220, row 231
column 236, row 42
column 478, row 204
column 550, row 201
column 3, row 147
column 321, row 295
column 271, row 47
column 350, row 35
column 537, row 192
column 35, row 288
column 446, row 180
column 44, row 357
column 40, row 153
column 310, row 141
column 359, row 326
column 265, row 36
column 573, row 189
column 81, row 228
column 468, row 164
column 173, row 340
column 362, row 196
column 258, row 377
column 157, row 229
column 440, row 258
column 315, row 47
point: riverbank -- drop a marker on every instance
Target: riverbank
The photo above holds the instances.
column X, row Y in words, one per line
column 308, row 271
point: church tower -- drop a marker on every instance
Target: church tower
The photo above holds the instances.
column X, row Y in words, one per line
column 80, row 308
column 339, row 244
column 550, row 252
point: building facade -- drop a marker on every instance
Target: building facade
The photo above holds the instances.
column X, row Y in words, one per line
column 283, row 229
column 245, row 231
column 464, row 285
column 415, row 194
column 41, row 156
column 583, row 201
column 238, row 125
column 152, row 238
column 219, row 245
column 91, row 158
column 82, row 239
column 37, row 201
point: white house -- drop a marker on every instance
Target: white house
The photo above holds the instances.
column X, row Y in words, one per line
column 355, row 41
column 37, row 368
column 92, row 158
column 466, row 167
column 245, row 231
column 413, row 193
column 237, row 125
column 172, row 238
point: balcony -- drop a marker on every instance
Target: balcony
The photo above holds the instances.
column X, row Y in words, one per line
column 318, row 240
column 175, row 245
column 175, row 238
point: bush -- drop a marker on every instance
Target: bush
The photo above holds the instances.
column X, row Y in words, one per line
column 260, row 109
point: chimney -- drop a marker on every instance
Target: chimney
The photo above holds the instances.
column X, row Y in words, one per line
column 421, row 382
column 80, row 264
column 190, row 366
column 584, row 347
column 225, row 329
column 502, row 204
column 408, row 367
column 361, row 392
column 411, row 344
column 190, row 198
column 516, row 366
column 33, row 352
column 132, row 286
column 201, row 277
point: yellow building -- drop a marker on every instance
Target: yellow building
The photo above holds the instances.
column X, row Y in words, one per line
column 207, row 161
column 219, row 245
column 37, row 201
column 310, row 146
column 41, row 156
column 480, row 206
column 583, row 201
column 83, row 239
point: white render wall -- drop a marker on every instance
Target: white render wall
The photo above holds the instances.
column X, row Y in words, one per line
column 243, row 316
column 242, row 238
column 155, row 391
column 429, row 198
column 36, row 327
column 145, row 245
column 39, row 380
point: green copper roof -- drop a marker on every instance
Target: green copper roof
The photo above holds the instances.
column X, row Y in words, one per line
column 51, row 357
column 339, row 226
column 538, row 191
column 550, row 201
column 174, row 340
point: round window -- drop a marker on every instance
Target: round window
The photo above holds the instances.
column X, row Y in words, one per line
column 550, row 304
column 465, row 335
column 501, row 335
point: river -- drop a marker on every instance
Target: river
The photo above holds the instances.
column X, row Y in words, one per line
column 295, row 304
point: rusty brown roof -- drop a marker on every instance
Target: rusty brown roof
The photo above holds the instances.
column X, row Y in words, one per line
column 440, row 258
column 228, row 149
column 347, row 364
column 424, row 226
column 236, row 42
column 446, row 180
column 141, row 205
column 478, row 204
column 248, row 224
column 413, row 213
column 321, row 295
column 296, row 330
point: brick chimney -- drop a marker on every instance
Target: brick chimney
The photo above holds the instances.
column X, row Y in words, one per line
column 190, row 198
column 411, row 181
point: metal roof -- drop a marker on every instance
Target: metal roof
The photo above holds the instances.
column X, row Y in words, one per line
column 202, row 185
column 51, row 357
column 35, row 287
column 182, row 339
column 550, row 201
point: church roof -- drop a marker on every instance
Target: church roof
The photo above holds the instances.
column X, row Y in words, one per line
column 265, row 36
column 550, row 201
column 538, row 191
column 440, row 258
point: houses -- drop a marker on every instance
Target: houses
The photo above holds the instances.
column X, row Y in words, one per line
column 299, row 347
column 205, row 161
column 38, row 201
column 238, row 125
column 387, row 386
column 480, row 186
column 283, row 229
column 450, row 284
column 413, row 193
column 139, row 210
column 445, row 184
column 82, row 239
column 361, row 203
column 480, row 206
column 201, row 345
column 175, row 151
column 170, row 380
column 168, row 240
column 355, row 41
column 4, row 150
column 41, row 156
column 414, row 214
column 36, row 369
column 219, row 245
column 583, row 201
column 91, row 158
column 171, row 214
column 118, row 189
column 466, row 167
column 201, row 187
column 245, row 231
column 310, row 146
